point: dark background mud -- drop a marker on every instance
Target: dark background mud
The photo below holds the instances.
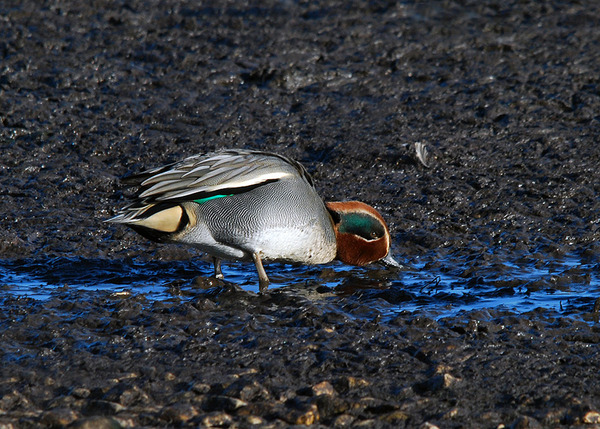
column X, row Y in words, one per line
column 504, row 94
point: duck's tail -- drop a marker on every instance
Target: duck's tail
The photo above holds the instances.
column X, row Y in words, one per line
column 157, row 222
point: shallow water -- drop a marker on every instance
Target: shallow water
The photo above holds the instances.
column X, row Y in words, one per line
column 435, row 288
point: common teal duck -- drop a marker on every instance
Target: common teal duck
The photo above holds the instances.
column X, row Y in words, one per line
column 252, row 205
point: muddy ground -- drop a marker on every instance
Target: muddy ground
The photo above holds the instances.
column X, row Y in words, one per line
column 504, row 94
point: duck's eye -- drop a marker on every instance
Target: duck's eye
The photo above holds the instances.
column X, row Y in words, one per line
column 361, row 224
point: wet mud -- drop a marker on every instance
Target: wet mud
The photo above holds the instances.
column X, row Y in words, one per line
column 505, row 97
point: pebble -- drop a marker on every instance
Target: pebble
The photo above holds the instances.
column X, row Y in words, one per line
column 255, row 420
column 80, row 392
column 101, row 407
column 96, row 422
column 437, row 382
column 307, row 416
column 428, row 425
column 59, row 417
column 591, row 417
column 216, row 420
column 374, row 405
column 330, row 405
column 247, row 390
column 369, row 423
column 343, row 420
column 222, row 403
column 450, row 414
column 525, row 422
column 323, row 388
column 178, row 413
column 553, row 417
column 127, row 421
column 200, row 388
column 345, row 384
column 394, row 417
column 127, row 395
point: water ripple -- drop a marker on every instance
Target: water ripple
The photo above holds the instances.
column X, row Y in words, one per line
column 437, row 288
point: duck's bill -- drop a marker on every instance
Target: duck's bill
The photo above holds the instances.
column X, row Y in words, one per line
column 388, row 261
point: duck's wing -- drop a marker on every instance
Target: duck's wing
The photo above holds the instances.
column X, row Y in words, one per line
column 220, row 173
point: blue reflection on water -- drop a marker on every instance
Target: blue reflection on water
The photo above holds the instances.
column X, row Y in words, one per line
column 432, row 287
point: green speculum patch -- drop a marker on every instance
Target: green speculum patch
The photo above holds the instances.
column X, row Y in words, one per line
column 363, row 225
column 214, row 197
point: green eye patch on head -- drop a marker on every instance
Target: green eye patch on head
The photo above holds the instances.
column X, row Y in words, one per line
column 361, row 224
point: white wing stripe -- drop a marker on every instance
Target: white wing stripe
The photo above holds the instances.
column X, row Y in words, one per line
column 166, row 186
column 219, row 171
column 195, row 170
column 229, row 185
column 167, row 175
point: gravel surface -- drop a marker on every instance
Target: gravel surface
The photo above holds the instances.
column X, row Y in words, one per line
column 504, row 95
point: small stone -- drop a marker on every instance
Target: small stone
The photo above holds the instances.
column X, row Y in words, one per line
column 450, row 414
column 222, row 403
column 437, row 382
column 249, row 371
column 59, row 417
column 206, row 283
column 449, row 380
column 369, row 423
column 200, row 388
column 216, row 420
column 246, row 390
column 11, row 400
column 305, row 416
column 343, row 420
column 375, row 406
column 178, row 413
column 395, row 417
column 127, row 421
column 80, row 392
column 552, row 417
column 441, row 369
column 263, row 409
column 363, row 403
column 330, row 405
column 103, row 407
column 133, row 396
column 126, row 376
column 126, row 395
column 525, row 422
column 591, row 417
column 96, row 422
column 255, row 420
column 344, row 384
column 286, row 395
column 404, row 393
column 323, row 388
column 169, row 376
column 428, row 425
column 69, row 402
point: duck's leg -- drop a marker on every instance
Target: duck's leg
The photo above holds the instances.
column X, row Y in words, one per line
column 263, row 280
column 218, row 272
